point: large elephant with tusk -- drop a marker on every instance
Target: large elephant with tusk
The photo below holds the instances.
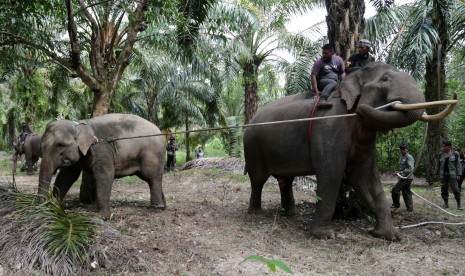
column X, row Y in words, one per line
column 341, row 145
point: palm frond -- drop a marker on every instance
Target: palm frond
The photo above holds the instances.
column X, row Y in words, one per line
column 57, row 241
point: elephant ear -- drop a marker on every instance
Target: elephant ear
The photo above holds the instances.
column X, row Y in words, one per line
column 350, row 90
column 85, row 137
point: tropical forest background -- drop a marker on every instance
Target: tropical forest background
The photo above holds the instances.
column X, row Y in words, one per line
column 195, row 64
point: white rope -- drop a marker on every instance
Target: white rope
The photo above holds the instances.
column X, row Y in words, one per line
column 278, row 122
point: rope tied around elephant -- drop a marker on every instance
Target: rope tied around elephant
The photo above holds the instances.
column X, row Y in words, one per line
column 113, row 138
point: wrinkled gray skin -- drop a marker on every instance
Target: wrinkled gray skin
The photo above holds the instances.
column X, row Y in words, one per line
column 338, row 147
column 31, row 149
column 67, row 145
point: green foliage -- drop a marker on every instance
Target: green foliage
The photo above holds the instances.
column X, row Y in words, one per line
column 64, row 237
column 272, row 264
column 388, row 147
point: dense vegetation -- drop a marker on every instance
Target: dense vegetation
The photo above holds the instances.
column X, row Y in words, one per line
column 188, row 65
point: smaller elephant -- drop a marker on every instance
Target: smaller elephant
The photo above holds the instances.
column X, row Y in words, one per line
column 31, row 149
column 105, row 147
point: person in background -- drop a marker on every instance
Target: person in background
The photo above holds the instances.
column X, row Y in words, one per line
column 171, row 149
column 449, row 171
column 25, row 131
column 361, row 58
column 199, row 153
column 405, row 176
column 462, row 163
column 326, row 72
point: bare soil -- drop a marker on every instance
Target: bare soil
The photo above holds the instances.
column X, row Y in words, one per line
column 206, row 231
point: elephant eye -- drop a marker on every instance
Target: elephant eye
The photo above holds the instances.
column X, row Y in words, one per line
column 385, row 78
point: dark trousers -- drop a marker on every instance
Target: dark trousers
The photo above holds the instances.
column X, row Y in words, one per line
column 170, row 163
column 453, row 184
column 461, row 180
column 326, row 86
column 402, row 185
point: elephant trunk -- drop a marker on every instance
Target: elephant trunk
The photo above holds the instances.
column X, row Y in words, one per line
column 384, row 120
column 45, row 176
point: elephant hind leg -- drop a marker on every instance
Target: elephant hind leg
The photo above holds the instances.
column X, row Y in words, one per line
column 369, row 187
column 287, row 195
column 257, row 182
column 152, row 173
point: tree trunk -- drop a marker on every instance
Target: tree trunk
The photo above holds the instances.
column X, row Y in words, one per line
column 250, row 83
column 436, row 89
column 346, row 24
column 152, row 110
column 188, row 144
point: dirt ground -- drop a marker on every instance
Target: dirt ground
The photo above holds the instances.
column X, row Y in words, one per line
column 206, row 231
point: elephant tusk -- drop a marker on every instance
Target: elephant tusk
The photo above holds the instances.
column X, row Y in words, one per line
column 425, row 117
column 430, row 118
column 405, row 107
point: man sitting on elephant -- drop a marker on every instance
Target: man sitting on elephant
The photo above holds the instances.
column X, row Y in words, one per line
column 326, row 72
column 361, row 58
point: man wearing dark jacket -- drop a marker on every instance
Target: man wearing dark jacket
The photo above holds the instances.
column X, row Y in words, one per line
column 360, row 59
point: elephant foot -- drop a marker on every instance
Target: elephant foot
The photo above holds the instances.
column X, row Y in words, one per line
column 105, row 214
column 290, row 212
column 254, row 211
column 322, row 232
column 390, row 234
column 159, row 207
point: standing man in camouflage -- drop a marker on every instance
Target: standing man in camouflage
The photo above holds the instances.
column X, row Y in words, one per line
column 405, row 175
column 449, row 170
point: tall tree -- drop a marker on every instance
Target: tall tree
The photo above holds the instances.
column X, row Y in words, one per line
column 94, row 39
column 346, row 25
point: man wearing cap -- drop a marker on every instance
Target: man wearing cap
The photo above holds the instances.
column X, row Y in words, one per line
column 326, row 72
column 449, row 171
column 360, row 59
column 405, row 175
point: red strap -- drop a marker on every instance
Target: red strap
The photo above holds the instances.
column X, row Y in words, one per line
column 310, row 124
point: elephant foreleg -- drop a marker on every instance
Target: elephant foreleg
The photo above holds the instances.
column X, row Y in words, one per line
column 327, row 187
column 64, row 180
column 287, row 195
column 367, row 184
column 103, row 183
column 29, row 163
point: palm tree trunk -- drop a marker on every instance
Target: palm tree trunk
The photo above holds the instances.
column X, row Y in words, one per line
column 250, row 83
column 436, row 89
column 188, row 146
column 346, row 24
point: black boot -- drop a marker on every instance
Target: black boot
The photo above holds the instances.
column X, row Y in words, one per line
column 459, row 205
column 446, row 203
